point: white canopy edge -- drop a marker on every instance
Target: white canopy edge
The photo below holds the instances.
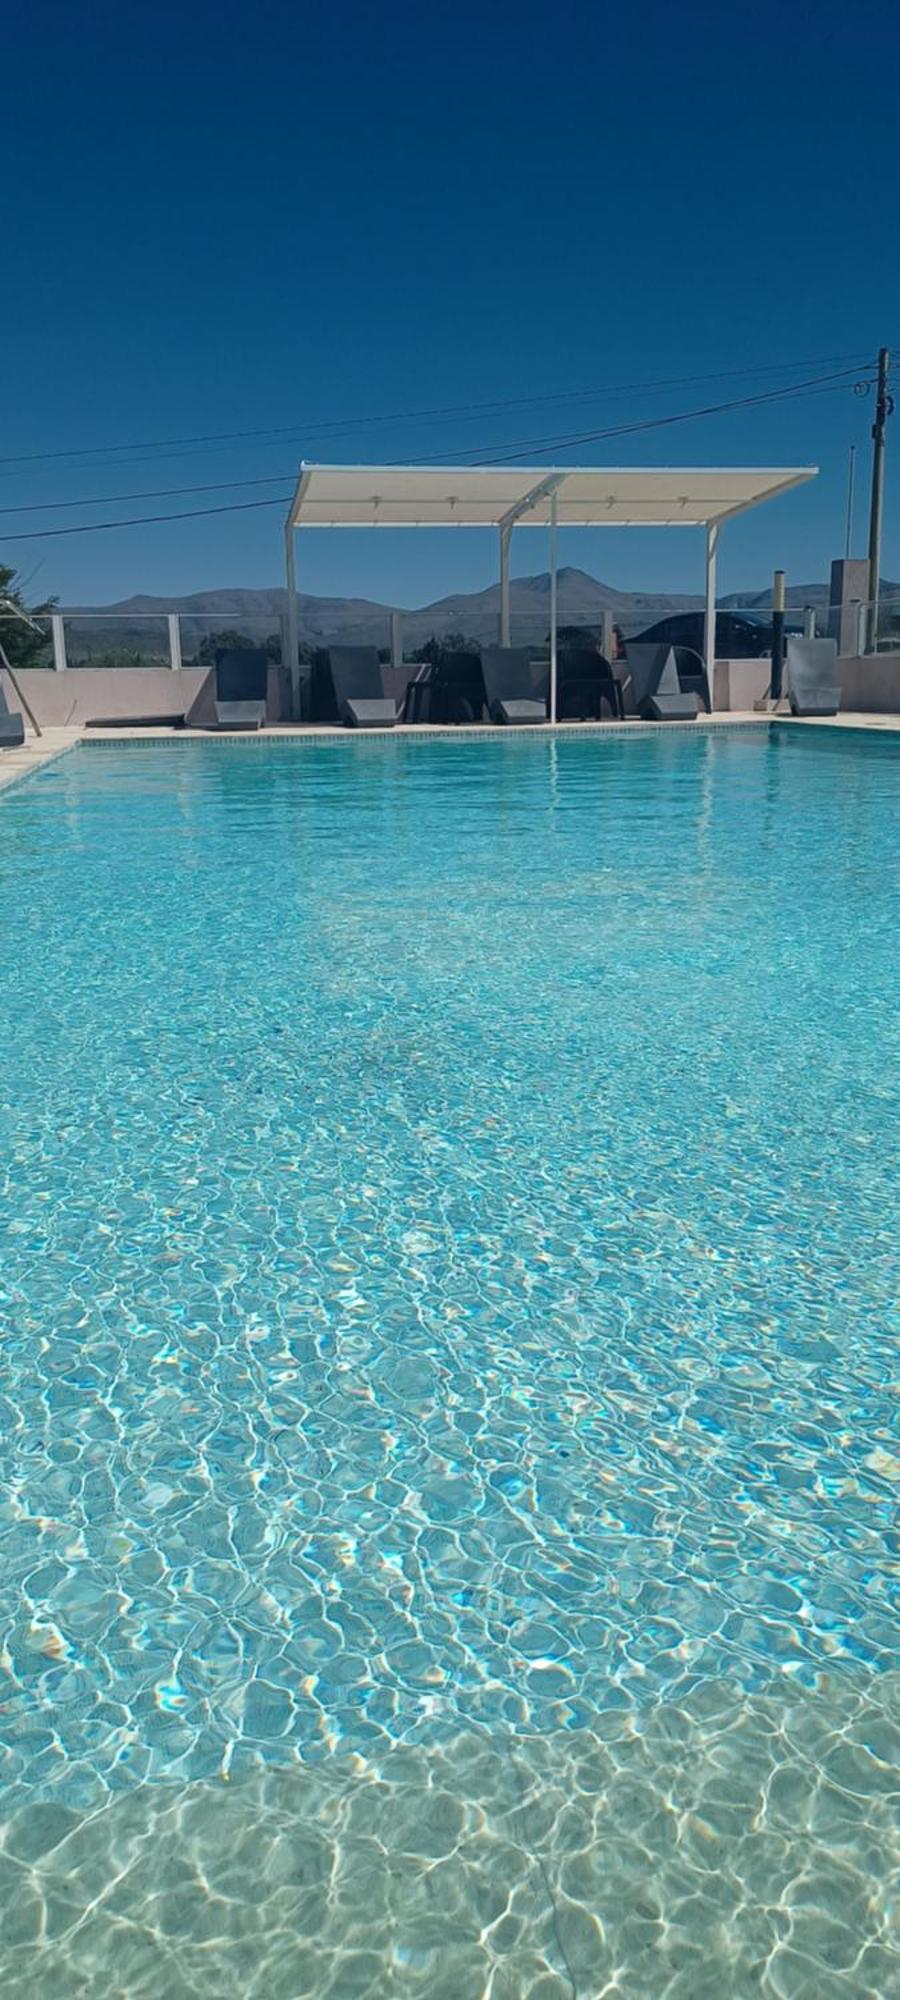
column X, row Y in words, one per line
column 413, row 496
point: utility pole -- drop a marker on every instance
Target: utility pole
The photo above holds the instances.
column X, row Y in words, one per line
column 883, row 409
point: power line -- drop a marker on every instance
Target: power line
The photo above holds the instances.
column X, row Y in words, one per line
column 533, row 447
column 441, row 412
column 147, row 520
column 817, row 386
column 156, row 493
column 271, row 479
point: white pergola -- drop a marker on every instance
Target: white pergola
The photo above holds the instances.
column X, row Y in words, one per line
column 512, row 496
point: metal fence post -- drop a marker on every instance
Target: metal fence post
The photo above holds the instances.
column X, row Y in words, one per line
column 396, row 639
column 174, row 641
column 58, row 630
column 809, row 621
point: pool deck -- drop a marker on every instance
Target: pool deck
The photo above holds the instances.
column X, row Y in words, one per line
column 35, row 752
column 889, row 722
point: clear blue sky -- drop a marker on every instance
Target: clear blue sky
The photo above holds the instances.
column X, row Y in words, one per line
column 222, row 217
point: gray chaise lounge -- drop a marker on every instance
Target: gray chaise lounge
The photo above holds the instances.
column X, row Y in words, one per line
column 654, row 685
column 242, row 678
column 812, row 677
column 509, row 685
column 348, row 686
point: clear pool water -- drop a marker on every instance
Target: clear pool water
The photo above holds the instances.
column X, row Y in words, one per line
column 449, row 1386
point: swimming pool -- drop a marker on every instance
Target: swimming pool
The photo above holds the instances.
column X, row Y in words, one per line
column 449, row 1382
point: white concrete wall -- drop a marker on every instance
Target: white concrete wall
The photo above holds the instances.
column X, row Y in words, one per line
column 739, row 684
column 85, row 694
column 870, row 683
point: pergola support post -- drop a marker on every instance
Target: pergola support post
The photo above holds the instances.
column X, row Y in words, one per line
column 293, row 630
column 709, row 622
column 505, row 538
column 554, row 509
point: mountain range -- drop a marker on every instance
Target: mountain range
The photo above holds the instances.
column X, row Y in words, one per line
column 359, row 620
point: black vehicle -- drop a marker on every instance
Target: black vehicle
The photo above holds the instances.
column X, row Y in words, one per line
column 740, row 635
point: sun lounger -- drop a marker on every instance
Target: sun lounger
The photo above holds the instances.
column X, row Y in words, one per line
column 692, row 675
column 654, row 683
column 510, row 686
column 585, row 680
column 242, row 676
column 347, row 686
column 12, row 727
column 448, row 690
column 417, row 698
column 812, row 677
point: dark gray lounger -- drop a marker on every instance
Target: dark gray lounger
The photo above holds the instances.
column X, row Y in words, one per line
column 692, row 675
column 584, row 682
column 812, row 677
column 448, row 690
column 242, row 676
column 509, row 685
column 348, row 687
column 654, row 685
column 12, row 728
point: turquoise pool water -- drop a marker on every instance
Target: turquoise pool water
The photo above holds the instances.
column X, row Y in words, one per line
column 450, row 1467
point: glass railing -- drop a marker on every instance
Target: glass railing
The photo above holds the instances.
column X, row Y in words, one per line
column 113, row 640
column 173, row 639
column 201, row 637
column 743, row 631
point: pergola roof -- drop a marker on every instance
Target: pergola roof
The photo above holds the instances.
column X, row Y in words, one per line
column 413, row 496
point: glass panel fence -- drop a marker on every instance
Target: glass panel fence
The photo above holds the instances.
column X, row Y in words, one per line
column 202, row 636
column 112, row 640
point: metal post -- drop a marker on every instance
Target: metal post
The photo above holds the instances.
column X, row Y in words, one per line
column 17, row 691
column 883, row 409
column 293, row 634
column 809, row 621
column 553, row 524
column 396, row 639
column 58, row 630
column 709, row 622
column 777, row 674
column 505, row 537
column 174, row 642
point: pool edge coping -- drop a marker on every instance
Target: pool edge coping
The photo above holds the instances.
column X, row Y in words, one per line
column 35, row 758
column 36, row 754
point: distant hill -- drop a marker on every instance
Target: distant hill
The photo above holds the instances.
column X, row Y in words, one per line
column 582, row 600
